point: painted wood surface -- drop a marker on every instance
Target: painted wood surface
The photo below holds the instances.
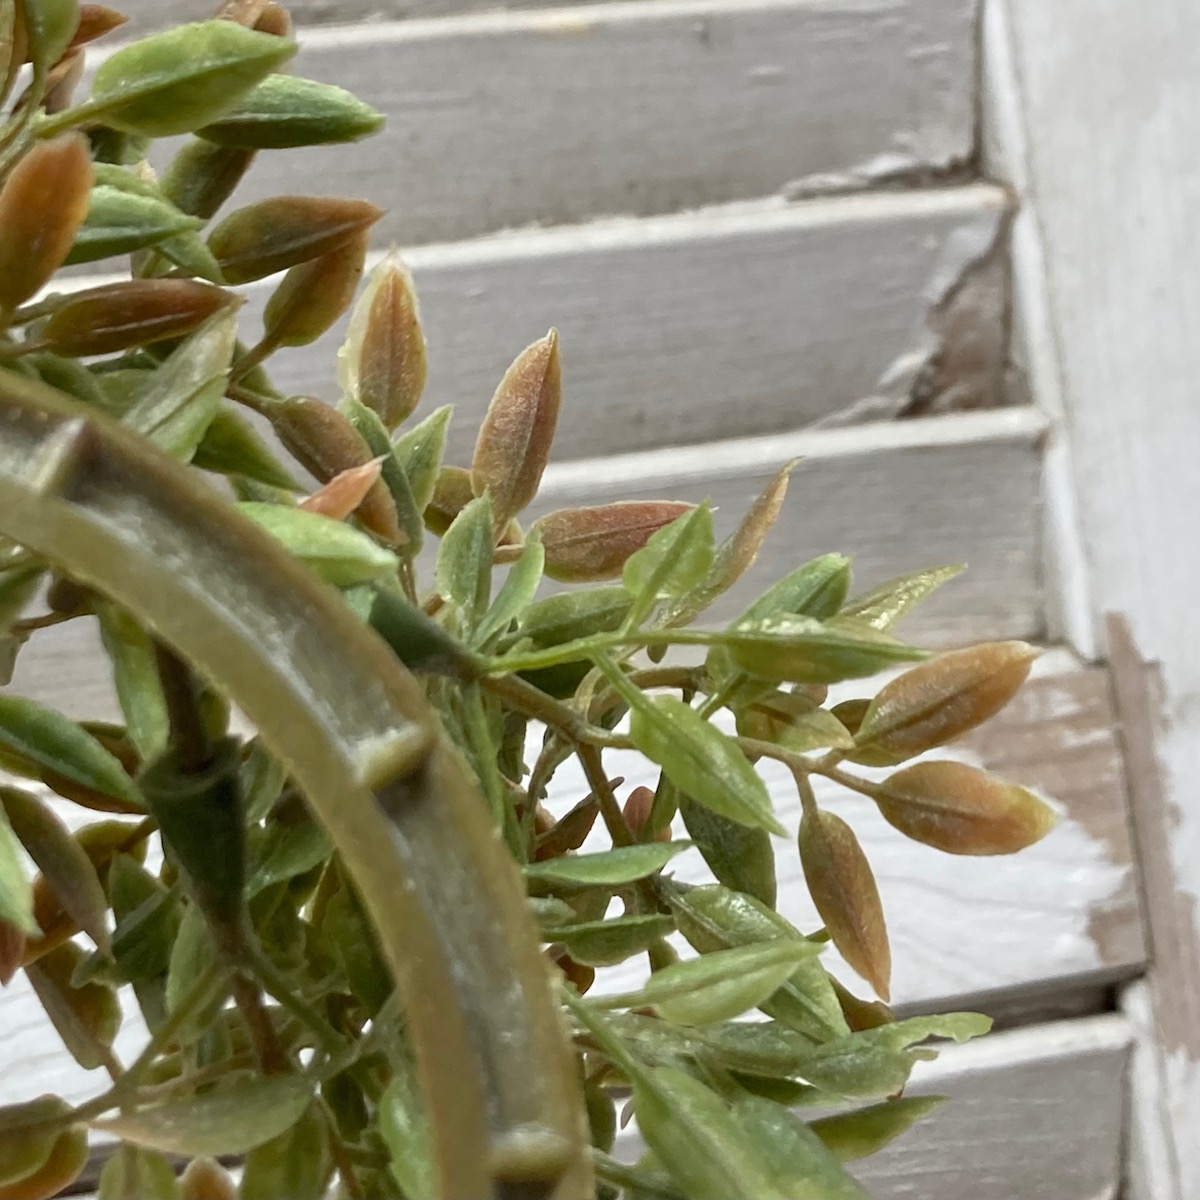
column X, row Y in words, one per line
column 1115, row 191
column 896, row 497
column 1059, row 916
column 552, row 116
column 727, row 323
column 1032, row 1114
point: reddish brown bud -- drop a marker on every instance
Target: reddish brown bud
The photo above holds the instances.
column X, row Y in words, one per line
column 570, row 833
column 42, row 205
column 276, row 234
column 96, row 20
column 514, row 440
column 205, row 1179
column 637, row 810
column 327, row 445
column 12, row 951
column 311, row 296
column 586, row 544
column 580, row 975
column 451, row 494
column 843, row 889
column 382, row 361
column 962, row 810
column 275, row 20
column 120, row 316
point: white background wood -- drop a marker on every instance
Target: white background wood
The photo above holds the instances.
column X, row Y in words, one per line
column 1033, row 1114
column 689, row 328
column 1111, row 108
column 553, row 116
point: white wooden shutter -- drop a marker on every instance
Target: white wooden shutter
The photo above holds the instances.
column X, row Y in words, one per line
column 770, row 228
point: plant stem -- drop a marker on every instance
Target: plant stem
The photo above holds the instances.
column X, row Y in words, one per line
column 189, row 736
column 600, row 643
column 279, row 988
column 610, row 809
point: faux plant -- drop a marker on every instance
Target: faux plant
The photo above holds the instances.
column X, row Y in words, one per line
column 363, row 946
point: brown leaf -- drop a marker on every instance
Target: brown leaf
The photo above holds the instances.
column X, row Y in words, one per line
column 345, row 491
column 282, row 232
column 12, row 950
column 95, row 20
column 638, row 806
column 514, row 440
column 938, row 701
column 275, row 20
column 383, row 360
column 843, row 888
column 962, row 810
column 451, row 494
column 138, row 312
column 43, row 203
column 736, row 556
column 64, row 1165
column 589, row 544
column 313, row 295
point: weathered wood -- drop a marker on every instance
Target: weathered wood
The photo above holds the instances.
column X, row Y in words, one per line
column 1112, row 189
column 1059, row 916
column 504, row 119
column 689, row 328
column 896, row 497
column 1032, row 1114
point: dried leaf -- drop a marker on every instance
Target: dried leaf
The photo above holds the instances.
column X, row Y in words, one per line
column 588, row 544
column 12, row 952
column 843, row 888
column 344, row 492
column 281, row 232
column 62, row 1167
column 884, row 606
column 313, row 295
column 24, row 1151
column 962, row 810
column 43, row 203
column 382, row 361
column 514, row 440
column 95, row 21
column 85, row 1017
column 940, row 700
column 139, row 312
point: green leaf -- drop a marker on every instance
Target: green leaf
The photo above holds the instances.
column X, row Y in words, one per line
column 693, row 1133
column 185, row 78
column 720, row 985
column 792, row 720
column 18, row 585
column 515, row 593
column 50, row 25
column 338, row 554
column 815, row 589
column 625, row 864
column 130, row 650
column 404, row 1127
column 716, row 918
column 569, row 616
column 263, row 777
column 230, row 1119
column 420, row 451
column 24, row 1151
column 700, row 760
column 120, row 222
column 293, row 1166
column 798, row 1162
column 61, row 860
column 740, row 857
column 285, row 851
column 191, row 955
column 232, row 447
column 395, row 477
column 184, row 394
column 464, row 562
column 16, row 890
column 805, row 650
column 854, row 1135
column 675, row 560
column 132, row 1173
column 148, row 918
column 877, row 1062
column 606, row 943
column 59, row 745
column 284, row 111
column 884, row 606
